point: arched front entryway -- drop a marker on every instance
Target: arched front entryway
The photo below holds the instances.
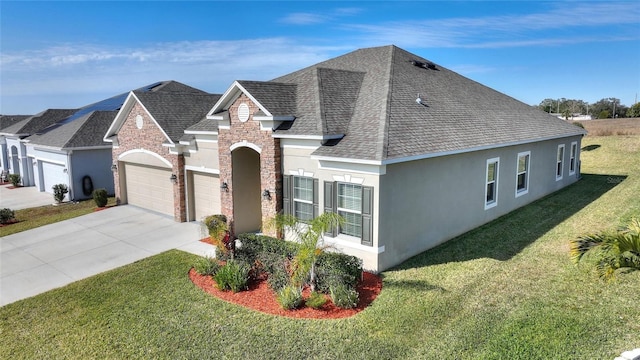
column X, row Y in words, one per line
column 247, row 208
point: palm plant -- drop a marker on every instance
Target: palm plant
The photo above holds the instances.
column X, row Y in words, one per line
column 612, row 250
column 311, row 238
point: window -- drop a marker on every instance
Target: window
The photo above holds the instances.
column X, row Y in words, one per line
column 303, row 198
column 572, row 158
column 522, row 174
column 354, row 203
column 491, row 189
column 350, row 208
column 300, row 196
column 560, row 162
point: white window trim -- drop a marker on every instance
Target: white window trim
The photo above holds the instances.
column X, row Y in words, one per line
column 526, row 188
column 494, row 203
column 561, row 162
column 573, row 156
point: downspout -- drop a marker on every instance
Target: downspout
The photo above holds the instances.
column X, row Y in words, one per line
column 70, row 175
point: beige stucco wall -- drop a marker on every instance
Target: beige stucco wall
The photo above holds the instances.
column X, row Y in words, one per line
column 206, row 155
column 426, row 202
column 298, row 161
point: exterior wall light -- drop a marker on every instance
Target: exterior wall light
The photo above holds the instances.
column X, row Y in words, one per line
column 114, row 167
column 173, row 178
column 224, row 187
column 266, row 194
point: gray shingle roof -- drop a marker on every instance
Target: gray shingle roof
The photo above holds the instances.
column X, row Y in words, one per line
column 8, row 120
column 177, row 111
column 204, row 125
column 370, row 94
column 277, row 98
column 86, row 131
column 37, row 122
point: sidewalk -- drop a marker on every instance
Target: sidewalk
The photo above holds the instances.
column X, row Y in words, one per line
column 51, row 256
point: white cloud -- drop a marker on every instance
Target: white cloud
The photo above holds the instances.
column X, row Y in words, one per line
column 506, row 30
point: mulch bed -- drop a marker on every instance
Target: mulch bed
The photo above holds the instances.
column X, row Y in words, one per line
column 261, row 298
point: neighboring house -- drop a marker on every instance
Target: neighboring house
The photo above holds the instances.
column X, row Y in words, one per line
column 6, row 121
column 72, row 152
column 14, row 149
column 151, row 152
column 410, row 153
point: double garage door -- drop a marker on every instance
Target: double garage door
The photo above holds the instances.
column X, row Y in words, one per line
column 149, row 187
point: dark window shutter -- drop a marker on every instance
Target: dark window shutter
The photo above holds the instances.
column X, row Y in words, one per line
column 367, row 215
column 315, row 198
column 287, row 199
column 330, row 203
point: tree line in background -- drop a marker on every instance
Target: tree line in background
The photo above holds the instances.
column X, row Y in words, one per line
column 603, row 109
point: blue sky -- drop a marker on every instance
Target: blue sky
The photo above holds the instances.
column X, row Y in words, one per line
column 69, row 54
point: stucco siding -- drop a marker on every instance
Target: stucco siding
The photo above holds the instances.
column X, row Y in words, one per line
column 205, row 157
column 93, row 163
column 426, row 202
column 297, row 161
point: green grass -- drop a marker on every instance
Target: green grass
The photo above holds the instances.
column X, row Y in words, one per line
column 38, row 216
column 504, row 291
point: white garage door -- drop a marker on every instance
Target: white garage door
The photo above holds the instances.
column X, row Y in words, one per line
column 206, row 195
column 149, row 187
column 53, row 174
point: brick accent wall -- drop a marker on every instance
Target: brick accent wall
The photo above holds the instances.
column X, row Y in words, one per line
column 270, row 161
column 149, row 138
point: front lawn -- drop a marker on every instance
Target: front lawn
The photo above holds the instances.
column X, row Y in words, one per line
column 39, row 216
column 507, row 290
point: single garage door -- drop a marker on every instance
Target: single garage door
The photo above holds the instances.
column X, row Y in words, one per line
column 53, row 174
column 206, row 195
column 149, row 187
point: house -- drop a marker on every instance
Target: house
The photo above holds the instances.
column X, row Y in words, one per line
column 65, row 147
column 14, row 151
column 6, row 121
column 155, row 156
column 410, row 153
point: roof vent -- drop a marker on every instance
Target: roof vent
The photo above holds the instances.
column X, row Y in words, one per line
column 425, row 65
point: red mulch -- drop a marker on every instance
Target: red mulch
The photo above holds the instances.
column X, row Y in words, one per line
column 102, row 208
column 260, row 297
column 10, row 222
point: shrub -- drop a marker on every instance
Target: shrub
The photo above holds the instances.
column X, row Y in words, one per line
column 7, row 215
column 100, row 197
column 207, row 266
column 336, row 268
column 217, row 228
column 315, row 300
column 578, row 124
column 344, row 296
column 234, row 276
column 253, row 245
column 15, row 179
column 278, row 276
column 290, row 297
column 59, row 191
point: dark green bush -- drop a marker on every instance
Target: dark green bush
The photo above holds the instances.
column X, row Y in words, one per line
column 100, row 197
column 315, row 300
column 207, row 266
column 253, row 245
column 278, row 276
column 336, row 268
column 578, row 124
column 234, row 276
column 344, row 296
column 59, row 191
column 15, row 179
column 7, row 215
column 290, row 297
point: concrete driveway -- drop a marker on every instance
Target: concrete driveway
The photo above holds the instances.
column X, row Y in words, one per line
column 23, row 197
column 38, row 260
